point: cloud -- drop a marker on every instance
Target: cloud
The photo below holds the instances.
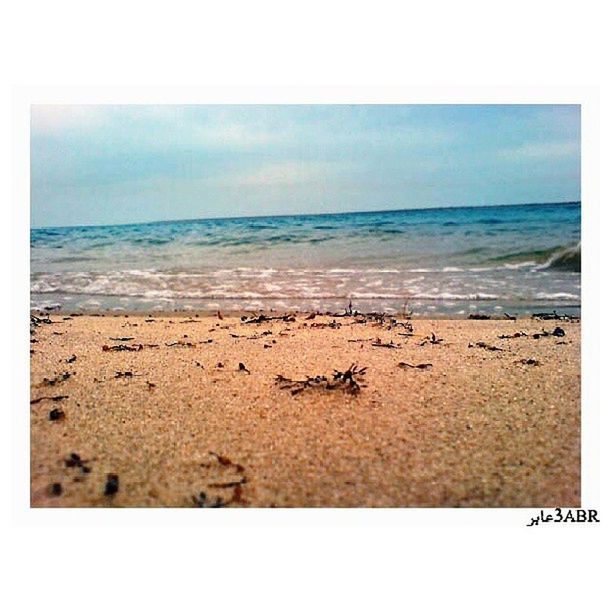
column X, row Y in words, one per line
column 282, row 173
column 59, row 118
column 542, row 150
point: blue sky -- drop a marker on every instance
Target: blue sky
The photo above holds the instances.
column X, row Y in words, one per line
column 121, row 164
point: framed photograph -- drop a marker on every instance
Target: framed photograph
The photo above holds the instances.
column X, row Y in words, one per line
column 305, row 306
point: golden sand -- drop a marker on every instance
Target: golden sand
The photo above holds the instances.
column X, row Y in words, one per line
column 476, row 429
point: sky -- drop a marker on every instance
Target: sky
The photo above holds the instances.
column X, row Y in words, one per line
column 103, row 164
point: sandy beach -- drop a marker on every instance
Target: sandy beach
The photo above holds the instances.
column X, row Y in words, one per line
column 163, row 406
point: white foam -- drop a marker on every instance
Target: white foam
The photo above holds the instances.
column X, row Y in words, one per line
column 557, row 296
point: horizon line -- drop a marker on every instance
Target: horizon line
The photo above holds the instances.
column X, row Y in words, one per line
column 318, row 214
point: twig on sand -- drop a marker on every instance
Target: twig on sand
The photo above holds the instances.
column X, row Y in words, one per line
column 185, row 344
column 418, row 366
column 123, row 347
column 378, row 343
column 54, row 398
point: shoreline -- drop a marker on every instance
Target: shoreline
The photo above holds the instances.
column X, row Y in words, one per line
column 470, row 419
column 561, row 312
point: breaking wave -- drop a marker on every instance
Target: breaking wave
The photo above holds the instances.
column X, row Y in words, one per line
column 567, row 259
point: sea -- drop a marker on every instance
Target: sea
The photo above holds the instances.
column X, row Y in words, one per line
column 517, row 259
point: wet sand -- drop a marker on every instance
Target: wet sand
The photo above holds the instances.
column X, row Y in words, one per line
column 181, row 425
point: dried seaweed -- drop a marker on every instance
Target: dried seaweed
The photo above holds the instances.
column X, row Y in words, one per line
column 484, row 345
column 58, row 379
column 186, row 344
column 548, row 316
column 418, row 366
column 55, row 398
column 201, row 501
column 123, row 347
column 479, row 317
column 431, row 340
column 519, row 334
column 383, row 320
column 347, row 380
column 75, row 461
column 37, row 321
column 378, row 343
column 531, row 362
column 558, row 332
column 263, row 318
column 332, row 325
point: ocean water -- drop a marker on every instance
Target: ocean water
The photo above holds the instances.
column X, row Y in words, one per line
column 446, row 261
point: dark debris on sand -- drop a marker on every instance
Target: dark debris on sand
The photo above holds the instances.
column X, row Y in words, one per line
column 418, row 366
column 348, row 380
column 484, row 345
column 431, row 340
column 112, row 484
column 553, row 316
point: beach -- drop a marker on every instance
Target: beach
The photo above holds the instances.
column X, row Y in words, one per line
column 156, row 410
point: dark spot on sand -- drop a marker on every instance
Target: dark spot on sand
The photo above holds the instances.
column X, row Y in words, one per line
column 55, row 489
column 57, row 414
column 112, row 484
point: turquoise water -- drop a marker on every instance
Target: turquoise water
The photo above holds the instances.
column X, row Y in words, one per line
column 436, row 261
